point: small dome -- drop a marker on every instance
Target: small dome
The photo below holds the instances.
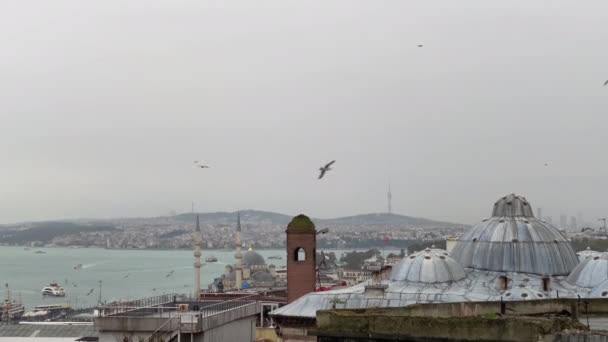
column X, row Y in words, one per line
column 587, row 253
column 301, row 224
column 252, row 258
column 262, row 276
column 590, row 272
column 428, row 267
column 514, row 241
column 512, row 205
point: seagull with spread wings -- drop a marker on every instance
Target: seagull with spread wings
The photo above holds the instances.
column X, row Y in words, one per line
column 325, row 168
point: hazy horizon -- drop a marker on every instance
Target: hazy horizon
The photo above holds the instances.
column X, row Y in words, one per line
column 105, row 105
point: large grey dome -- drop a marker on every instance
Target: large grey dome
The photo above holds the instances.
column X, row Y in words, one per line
column 590, row 272
column 513, row 240
column 252, row 258
column 428, row 266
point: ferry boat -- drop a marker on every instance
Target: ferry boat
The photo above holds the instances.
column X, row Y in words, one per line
column 11, row 309
column 77, row 267
column 54, row 290
column 211, row 258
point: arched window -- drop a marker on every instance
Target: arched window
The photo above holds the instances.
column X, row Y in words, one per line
column 300, row 254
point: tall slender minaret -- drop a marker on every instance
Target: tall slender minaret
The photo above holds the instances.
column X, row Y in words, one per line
column 390, row 198
column 197, row 257
column 238, row 255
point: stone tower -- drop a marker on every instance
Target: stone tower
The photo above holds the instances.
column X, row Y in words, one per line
column 301, row 254
column 197, row 257
column 238, row 255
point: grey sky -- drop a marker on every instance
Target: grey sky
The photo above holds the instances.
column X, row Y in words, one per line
column 105, row 104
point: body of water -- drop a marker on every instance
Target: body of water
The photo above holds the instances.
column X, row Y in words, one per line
column 124, row 273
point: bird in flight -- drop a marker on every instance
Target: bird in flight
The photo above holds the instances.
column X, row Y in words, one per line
column 419, row 45
column 325, row 168
column 200, row 165
column 127, row 276
column 90, row 291
column 169, row 274
column 606, row 83
column 546, row 164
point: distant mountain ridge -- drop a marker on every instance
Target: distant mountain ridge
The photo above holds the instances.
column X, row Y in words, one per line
column 373, row 219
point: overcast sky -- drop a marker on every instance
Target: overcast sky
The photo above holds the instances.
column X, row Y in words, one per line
column 104, row 106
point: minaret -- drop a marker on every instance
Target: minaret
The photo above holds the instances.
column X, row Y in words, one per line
column 238, row 255
column 197, row 257
column 390, row 198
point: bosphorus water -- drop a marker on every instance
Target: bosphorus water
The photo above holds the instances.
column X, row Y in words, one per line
column 124, row 273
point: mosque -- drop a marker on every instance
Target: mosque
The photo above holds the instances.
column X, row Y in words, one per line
column 510, row 256
column 250, row 269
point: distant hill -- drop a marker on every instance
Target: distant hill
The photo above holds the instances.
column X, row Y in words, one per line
column 386, row 219
column 46, row 231
column 369, row 220
column 230, row 217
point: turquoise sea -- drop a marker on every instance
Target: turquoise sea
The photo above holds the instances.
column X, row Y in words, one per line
column 124, row 273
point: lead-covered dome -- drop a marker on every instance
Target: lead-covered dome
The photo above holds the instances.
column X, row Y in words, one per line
column 252, row 258
column 428, row 266
column 590, row 272
column 513, row 240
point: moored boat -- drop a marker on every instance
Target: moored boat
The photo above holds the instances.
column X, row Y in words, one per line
column 11, row 309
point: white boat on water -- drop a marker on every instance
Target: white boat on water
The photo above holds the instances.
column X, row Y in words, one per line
column 54, row 290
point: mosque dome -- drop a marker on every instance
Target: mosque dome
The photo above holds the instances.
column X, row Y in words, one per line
column 262, row 276
column 587, row 253
column 428, row 266
column 513, row 240
column 252, row 258
column 590, row 272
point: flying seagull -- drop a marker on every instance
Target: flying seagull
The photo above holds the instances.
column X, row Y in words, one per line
column 169, row 274
column 90, row 291
column 325, row 168
column 419, row 45
column 127, row 276
column 606, row 83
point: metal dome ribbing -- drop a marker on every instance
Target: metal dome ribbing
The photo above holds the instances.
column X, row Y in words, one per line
column 590, row 272
column 428, row 266
column 512, row 205
column 513, row 240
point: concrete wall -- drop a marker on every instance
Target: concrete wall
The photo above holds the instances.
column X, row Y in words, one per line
column 379, row 327
column 467, row 309
column 242, row 330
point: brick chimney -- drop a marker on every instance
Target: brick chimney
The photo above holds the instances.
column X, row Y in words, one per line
column 301, row 254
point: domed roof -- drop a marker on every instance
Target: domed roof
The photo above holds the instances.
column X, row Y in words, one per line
column 590, row 272
column 252, row 258
column 512, row 205
column 428, row 266
column 512, row 240
column 262, row 276
column 301, row 224
column 587, row 253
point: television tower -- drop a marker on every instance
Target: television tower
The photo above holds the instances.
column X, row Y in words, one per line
column 389, row 196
